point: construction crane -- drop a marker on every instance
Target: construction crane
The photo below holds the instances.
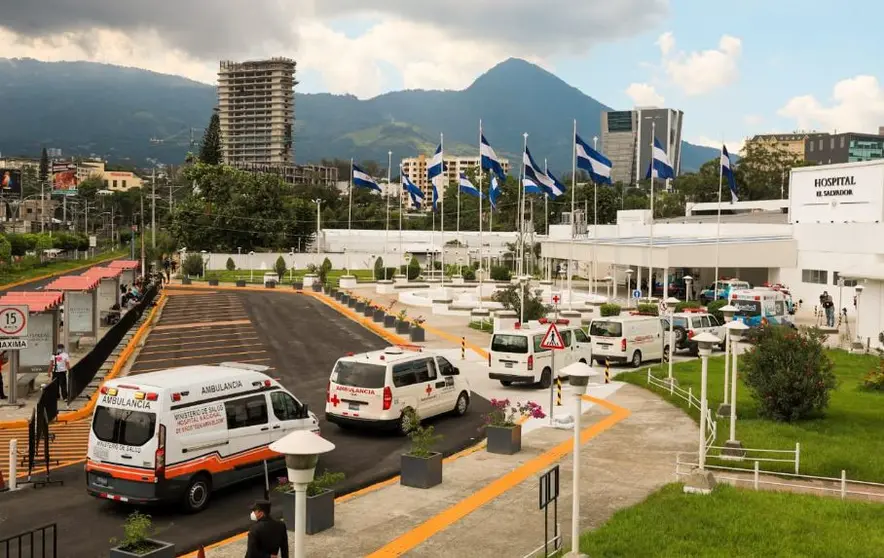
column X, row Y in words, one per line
column 161, row 141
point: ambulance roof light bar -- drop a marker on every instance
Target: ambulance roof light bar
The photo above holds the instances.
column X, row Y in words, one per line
column 245, row 366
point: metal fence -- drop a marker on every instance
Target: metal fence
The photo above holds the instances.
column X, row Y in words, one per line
column 41, row 542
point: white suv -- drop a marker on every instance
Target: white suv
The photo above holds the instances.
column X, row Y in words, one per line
column 687, row 325
column 375, row 388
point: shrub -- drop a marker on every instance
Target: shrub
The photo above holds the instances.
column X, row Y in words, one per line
column 230, row 265
column 468, row 273
column 609, row 310
column 789, row 373
column 510, row 299
column 715, row 307
column 279, row 267
column 649, row 309
column 437, row 265
column 379, row 269
column 423, row 438
column 137, row 529
column 685, row 304
column 5, row 250
column 391, row 271
column 193, row 264
column 874, row 379
column 500, row 273
column 414, row 269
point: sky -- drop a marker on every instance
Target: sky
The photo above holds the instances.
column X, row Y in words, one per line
column 735, row 69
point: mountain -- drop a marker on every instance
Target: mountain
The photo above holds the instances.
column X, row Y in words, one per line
column 131, row 115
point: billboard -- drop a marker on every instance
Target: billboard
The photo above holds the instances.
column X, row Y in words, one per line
column 10, row 181
column 841, row 193
column 64, row 178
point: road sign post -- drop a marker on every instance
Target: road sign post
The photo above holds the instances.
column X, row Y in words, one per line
column 553, row 341
column 13, row 337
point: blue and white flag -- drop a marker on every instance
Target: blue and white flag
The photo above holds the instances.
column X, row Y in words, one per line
column 494, row 192
column 537, row 176
column 435, row 197
column 531, row 187
column 661, row 166
column 468, row 187
column 437, row 164
column 361, row 179
column 597, row 165
column 558, row 188
column 415, row 200
column 489, row 160
column 728, row 172
column 410, row 187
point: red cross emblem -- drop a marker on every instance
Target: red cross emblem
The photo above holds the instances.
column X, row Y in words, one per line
column 555, row 299
column 429, row 389
column 334, row 400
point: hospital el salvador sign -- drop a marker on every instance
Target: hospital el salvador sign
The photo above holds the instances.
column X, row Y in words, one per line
column 834, row 186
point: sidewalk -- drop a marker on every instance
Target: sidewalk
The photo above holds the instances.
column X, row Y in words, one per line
column 489, row 502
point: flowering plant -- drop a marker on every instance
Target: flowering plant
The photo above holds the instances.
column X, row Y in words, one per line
column 505, row 414
column 402, row 315
column 418, row 321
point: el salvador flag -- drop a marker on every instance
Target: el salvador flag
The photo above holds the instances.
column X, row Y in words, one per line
column 531, row 187
column 489, row 160
column 494, row 192
column 537, row 177
column 410, row 187
column 728, row 173
column 467, row 187
column 558, row 188
column 437, row 165
column 435, row 197
column 361, row 179
column 415, row 200
column 597, row 165
column 661, row 166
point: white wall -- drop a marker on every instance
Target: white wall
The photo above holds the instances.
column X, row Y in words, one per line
column 676, row 230
column 871, row 312
column 845, row 193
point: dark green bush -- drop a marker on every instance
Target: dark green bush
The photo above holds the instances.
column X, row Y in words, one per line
column 379, row 269
column 715, row 307
column 469, row 274
column 230, row 265
column 686, row 304
column 193, row 264
column 609, row 310
column 500, row 273
column 414, row 269
column 650, row 309
column 279, row 267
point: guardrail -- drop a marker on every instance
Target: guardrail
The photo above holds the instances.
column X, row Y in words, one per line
column 840, row 486
column 41, row 542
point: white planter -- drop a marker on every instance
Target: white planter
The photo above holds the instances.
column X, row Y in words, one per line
column 385, row 286
column 457, row 280
column 347, row 282
column 400, row 279
column 310, row 279
column 440, row 306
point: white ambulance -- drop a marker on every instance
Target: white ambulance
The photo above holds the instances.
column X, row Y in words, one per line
column 515, row 355
column 629, row 339
column 375, row 388
column 179, row 434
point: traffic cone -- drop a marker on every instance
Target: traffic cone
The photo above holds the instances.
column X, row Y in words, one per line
column 201, row 553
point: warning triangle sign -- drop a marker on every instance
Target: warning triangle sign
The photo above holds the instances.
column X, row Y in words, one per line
column 552, row 339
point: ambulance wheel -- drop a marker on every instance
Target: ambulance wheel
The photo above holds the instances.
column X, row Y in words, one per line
column 600, row 361
column 636, row 359
column 546, row 378
column 506, row 383
column 463, row 403
column 196, row 498
column 583, row 360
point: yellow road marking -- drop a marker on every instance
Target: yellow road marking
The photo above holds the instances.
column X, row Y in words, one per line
column 200, row 324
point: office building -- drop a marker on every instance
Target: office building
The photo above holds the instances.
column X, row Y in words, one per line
column 416, row 170
column 844, row 148
column 794, row 143
column 626, row 140
column 256, row 106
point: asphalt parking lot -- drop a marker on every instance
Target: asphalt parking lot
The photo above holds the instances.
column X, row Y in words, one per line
column 299, row 338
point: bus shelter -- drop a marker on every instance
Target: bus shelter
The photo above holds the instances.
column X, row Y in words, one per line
column 129, row 269
column 81, row 314
column 109, row 281
column 43, row 325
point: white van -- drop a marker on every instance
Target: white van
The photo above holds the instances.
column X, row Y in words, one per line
column 375, row 388
column 179, row 434
column 515, row 355
column 632, row 339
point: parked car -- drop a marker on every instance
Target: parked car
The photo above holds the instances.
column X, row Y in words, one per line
column 628, row 339
column 723, row 289
column 687, row 325
column 515, row 355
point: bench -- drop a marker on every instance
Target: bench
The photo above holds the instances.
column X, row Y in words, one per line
column 26, row 379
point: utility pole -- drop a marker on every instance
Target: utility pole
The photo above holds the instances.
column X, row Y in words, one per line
column 153, row 208
column 142, row 237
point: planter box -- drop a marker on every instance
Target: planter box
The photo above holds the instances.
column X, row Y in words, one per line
column 317, row 287
column 345, row 298
column 402, row 327
column 504, row 440
column 213, row 282
column 379, row 316
column 240, row 282
column 298, row 286
column 421, row 472
column 352, row 302
column 417, row 334
column 368, row 311
column 162, row 550
column 359, row 307
column 320, row 511
column 339, row 295
column 389, row 321
column 270, row 284
column 185, row 281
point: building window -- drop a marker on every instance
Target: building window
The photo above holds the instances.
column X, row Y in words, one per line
column 815, row 276
column 105, row 184
column 811, row 146
column 842, row 142
column 821, row 144
column 620, row 121
column 124, row 184
column 847, row 282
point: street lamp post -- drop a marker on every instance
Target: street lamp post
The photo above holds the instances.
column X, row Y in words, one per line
column 687, row 286
column 629, row 273
column 728, row 312
column 251, row 271
column 859, row 292
column 701, row 481
column 523, row 281
column 578, row 374
column 318, row 203
column 203, row 258
column 671, row 303
column 302, row 450
column 292, row 266
column 608, row 281
column 733, row 449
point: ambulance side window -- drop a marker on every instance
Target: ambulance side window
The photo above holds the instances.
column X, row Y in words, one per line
column 566, row 337
column 284, row 406
column 581, row 336
column 426, row 370
column 248, row 411
column 445, row 367
column 404, row 375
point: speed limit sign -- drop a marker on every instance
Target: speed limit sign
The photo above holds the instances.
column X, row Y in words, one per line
column 14, row 321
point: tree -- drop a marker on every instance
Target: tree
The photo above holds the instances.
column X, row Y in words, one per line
column 5, row 251
column 44, row 166
column 414, row 269
column 789, row 373
column 193, row 264
column 230, row 265
column 279, row 267
column 210, row 149
column 511, row 300
column 379, row 270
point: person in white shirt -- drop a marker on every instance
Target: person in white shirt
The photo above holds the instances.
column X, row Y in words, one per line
column 58, row 370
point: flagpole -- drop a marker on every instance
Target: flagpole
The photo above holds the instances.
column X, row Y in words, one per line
column 387, row 198
column 350, row 213
column 490, row 220
column 481, row 261
column 442, row 199
column 401, row 192
column 595, row 227
column 520, row 200
column 718, row 225
column 546, row 217
column 573, row 212
column 651, row 230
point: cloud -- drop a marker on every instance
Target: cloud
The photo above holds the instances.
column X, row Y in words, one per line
column 857, row 106
column 734, row 147
column 444, row 48
column 644, row 95
column 753, row 119
column 700, row 72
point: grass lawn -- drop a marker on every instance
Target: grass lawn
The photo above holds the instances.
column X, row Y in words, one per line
column 15, row 274
column 850, row 436
column 734, row 522
column 257, row 276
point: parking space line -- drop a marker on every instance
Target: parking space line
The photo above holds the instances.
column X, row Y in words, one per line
column 190, row 343
column 203, row 320
column 215, row 355
column 201, row 324
column 225, row 330
column 241, row 345
column 241, row 361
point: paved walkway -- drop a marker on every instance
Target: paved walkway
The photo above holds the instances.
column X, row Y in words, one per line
column 489, row 501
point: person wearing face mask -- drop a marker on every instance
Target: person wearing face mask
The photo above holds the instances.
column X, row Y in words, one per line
column 268, row 537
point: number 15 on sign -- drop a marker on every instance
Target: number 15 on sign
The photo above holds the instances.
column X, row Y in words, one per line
column 14, row 321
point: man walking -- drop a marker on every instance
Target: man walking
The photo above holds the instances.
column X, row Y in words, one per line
column 268, row 537
column 58, row 370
